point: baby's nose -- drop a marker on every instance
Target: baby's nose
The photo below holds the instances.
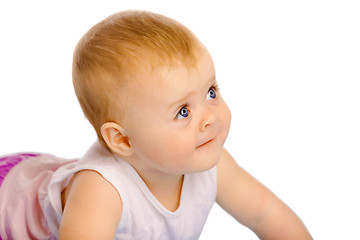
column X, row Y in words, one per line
column 208, row 119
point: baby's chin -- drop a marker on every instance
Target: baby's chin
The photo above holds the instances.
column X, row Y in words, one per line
column 208, row 157
column 198, row 165
column 206, row 166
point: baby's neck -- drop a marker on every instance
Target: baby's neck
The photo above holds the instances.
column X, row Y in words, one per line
column 166, row 188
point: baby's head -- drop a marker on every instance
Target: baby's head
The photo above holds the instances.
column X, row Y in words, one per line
column 121, row 50
column 139, row 78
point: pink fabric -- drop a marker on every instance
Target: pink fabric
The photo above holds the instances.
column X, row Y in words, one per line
column 8, row 162
column 21, row 194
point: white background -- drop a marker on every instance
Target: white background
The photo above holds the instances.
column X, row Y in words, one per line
column 289, row 70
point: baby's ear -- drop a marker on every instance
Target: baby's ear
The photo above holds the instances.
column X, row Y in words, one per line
column 116, row 139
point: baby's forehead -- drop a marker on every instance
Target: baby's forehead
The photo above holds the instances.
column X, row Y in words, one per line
column 149, row 73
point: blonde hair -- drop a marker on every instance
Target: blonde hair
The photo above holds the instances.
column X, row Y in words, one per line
column 116, row 49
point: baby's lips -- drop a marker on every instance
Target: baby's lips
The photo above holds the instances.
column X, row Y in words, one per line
column 205, row 143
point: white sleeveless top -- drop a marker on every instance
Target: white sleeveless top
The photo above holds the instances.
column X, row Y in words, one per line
column 143, row 216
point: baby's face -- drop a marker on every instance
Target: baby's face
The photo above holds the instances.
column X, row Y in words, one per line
column 177, row 120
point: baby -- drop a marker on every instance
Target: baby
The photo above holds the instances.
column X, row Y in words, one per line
column 148, row 87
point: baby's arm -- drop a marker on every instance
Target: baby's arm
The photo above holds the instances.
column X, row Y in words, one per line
column 253, row 205
column 92, row 210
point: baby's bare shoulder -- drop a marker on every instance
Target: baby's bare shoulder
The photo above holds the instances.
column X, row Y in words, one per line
column 92, row 207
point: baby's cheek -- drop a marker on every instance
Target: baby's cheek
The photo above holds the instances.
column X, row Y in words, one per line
column 179, row 146
column 226, row 116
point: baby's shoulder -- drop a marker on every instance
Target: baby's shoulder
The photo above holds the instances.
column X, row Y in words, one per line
column 90, row 200
column 87, row 184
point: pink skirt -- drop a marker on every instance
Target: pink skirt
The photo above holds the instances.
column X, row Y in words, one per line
column 8, row 162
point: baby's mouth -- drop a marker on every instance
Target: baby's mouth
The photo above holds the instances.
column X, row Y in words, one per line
column 205, row 143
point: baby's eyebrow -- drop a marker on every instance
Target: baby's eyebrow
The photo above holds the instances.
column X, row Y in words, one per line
column 211, row 82
column 181, row 100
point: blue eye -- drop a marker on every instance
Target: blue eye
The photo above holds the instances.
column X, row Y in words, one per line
column 183, row 113
column 211, row 94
